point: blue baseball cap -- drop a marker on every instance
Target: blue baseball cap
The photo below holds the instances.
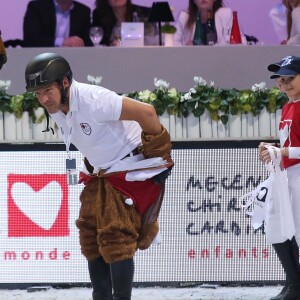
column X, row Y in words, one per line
column 288, row 66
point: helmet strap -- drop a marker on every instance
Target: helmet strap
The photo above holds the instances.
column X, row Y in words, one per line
column 48, row 128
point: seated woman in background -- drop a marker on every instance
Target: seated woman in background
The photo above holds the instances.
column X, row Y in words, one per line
column 279, row 21
column 192, row 24
column 109, row 14
column 293, row 22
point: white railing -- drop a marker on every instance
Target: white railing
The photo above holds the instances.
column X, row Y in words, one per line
column 23, row 129
column 244, row 127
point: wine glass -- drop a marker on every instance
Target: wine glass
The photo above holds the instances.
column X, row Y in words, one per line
column 96, row 35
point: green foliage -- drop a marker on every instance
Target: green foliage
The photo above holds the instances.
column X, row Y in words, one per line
column 18, row 104
column 221, row 103
column 168, row 28
column 5, row 101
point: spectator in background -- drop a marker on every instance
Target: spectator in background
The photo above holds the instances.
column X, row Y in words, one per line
column 186, row 33
column 293, row 22
column 3, row 57
column 109, row 14
column 56, row 23
column 278, row 16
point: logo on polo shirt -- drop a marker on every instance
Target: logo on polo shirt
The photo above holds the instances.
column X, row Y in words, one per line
column 38, row 205
column 86, row 128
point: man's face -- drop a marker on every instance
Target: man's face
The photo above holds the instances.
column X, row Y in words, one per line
column 50, row 97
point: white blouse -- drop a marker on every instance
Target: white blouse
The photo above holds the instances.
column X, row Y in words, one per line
column 295, row 30
column 278, row 18
column 223, row 23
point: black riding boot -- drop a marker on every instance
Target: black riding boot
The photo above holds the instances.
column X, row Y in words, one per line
column 279, row 296
column 122, row 277
column 286, row 255
column 295, row 249
column 100, row 278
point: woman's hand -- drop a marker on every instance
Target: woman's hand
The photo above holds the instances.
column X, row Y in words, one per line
column 264, row 156
column 264, row 152
column 115, row 43
column 262, row 147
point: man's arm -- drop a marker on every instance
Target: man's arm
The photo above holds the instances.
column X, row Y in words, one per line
column 37, row 31
column 142, row 113
column 80, row 23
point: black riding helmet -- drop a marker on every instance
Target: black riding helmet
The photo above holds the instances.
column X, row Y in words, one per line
column 44, row 69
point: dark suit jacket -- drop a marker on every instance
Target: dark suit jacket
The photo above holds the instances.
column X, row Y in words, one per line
column 40, row 23
column 102, row 20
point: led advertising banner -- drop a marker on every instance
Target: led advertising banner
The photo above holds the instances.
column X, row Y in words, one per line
column 205, row 235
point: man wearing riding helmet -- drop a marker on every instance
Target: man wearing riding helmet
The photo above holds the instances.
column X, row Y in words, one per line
column 118, row 137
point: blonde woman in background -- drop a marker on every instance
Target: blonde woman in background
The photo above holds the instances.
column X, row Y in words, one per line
column 293, row 22
column 279, row 21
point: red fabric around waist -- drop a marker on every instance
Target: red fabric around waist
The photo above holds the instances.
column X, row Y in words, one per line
column 85, row 178
column 143, row 193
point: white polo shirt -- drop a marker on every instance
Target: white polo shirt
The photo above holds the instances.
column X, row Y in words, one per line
column 92, row 125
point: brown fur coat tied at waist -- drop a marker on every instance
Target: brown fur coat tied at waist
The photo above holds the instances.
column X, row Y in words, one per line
column 118, row 217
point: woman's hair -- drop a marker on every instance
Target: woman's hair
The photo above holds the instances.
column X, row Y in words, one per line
column 193, row 10
column 104, row 17
column 288, row 19
column 289, row 9
column 107, row 14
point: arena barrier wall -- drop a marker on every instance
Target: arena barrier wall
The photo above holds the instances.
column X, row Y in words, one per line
column 205, row 236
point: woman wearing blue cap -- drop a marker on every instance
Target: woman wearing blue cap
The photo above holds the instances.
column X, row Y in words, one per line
column 287, row 76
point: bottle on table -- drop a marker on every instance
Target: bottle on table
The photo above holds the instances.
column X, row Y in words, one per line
column 211, row 35
column 235, row 35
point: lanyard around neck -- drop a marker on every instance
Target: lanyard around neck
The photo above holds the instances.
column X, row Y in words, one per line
column 69, row 134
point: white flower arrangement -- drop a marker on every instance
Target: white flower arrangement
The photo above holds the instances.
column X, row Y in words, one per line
column 188, row 96
column 94, row 80
column 203, row 96
column 5, row 84
column 259, row 87
column 161, row 84
column 199, row 81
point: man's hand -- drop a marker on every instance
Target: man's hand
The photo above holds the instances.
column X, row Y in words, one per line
column 73, row 41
